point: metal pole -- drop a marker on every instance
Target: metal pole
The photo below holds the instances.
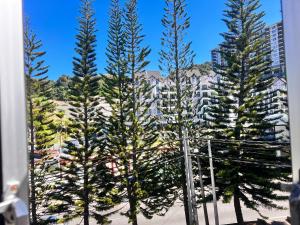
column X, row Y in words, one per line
column 291, row 21
column 202, row 191
column 212, row 176
column 13, row 111
column 191, row 179
column 188, row 183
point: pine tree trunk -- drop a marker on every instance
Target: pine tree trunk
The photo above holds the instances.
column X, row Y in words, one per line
column 179, row 111
column 86, row 213
column 184, row 185
column 134, row 144
column 32, row 189
column 32, row 168
column 131, row 199
column 133, row 215
column 238, row 209
column 237, row 203
column 132, row 185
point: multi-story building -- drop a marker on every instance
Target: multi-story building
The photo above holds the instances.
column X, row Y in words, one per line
column 277, row 102
column 163, row 95
column 275, row 45
column 216, row 57
column 156, row 81
column 275, row 37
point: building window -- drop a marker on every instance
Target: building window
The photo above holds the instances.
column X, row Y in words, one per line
column 205, row 94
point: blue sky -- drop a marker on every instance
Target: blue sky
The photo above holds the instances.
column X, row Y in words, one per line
column 55, row 23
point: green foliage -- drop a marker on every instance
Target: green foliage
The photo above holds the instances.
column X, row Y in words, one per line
column 85, row 188
column 143, row 126
column 40, row 125
column 176, row 57
column 240, row 108
column 61, row 88
column 204, row 68
column 61, row 124
column 132, row 134
column 148, row 151
column 116, row 86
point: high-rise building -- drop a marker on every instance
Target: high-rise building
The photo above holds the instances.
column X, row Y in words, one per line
column 216, row 57
column 275, row 37
column 276, row 99
column 275, row 44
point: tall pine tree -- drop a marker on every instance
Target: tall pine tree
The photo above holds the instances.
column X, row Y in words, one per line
column 176, row 58
column 116, row 85
column 40, row 124
column 143, row 129
column 240, row 111
column 132, row 137
column 86, row 187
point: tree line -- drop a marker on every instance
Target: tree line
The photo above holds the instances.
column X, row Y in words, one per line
column 148, row 154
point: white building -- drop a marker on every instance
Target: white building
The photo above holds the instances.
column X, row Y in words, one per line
column 275, row 45
column 275, row 37
column 163, row 88
column 200, row 84
column 279, row 108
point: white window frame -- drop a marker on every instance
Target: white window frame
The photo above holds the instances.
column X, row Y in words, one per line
column 12, row 92
column 13, row 106
column 291, row 18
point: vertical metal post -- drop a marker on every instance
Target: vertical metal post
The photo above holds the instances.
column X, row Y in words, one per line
column 13, row 107
column 291, row 21
column 202, row 191
column 190, row 183
column 191, row 179
column 212, row 176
